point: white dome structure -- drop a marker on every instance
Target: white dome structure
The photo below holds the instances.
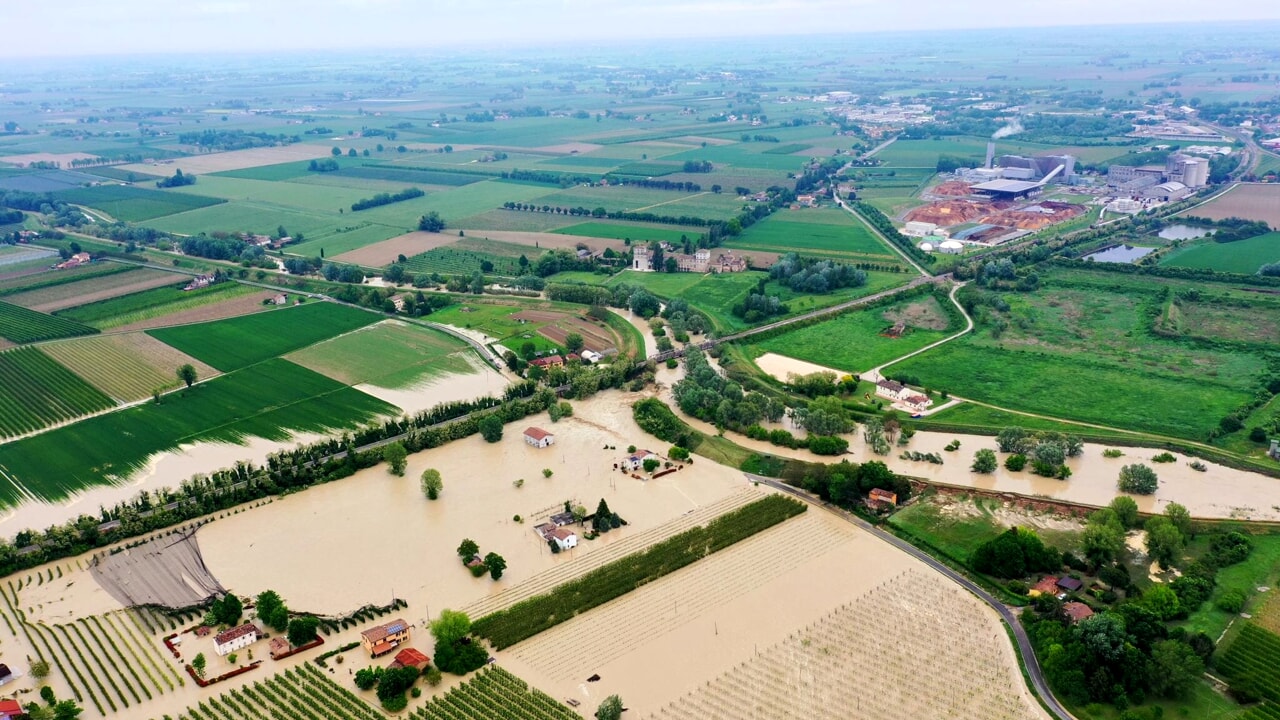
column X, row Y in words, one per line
column 951, row 246
column 926, row 246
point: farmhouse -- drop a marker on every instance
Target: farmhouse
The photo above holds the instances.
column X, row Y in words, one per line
column 893, row 390
column 80, row 258
column 550, row 361
column 878, row 498
column 11, row 710
column 635, row 461
column 1048, row 585
column 410, row 657
column 237, row 637
column 1077, row 611
column 564, row 538
column 539, row 438
column 200, row 281
column 383, row 639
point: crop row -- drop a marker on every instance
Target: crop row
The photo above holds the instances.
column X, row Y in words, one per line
column 146, row 304
column 303, row 693
column 22, row 325
column 447, row 261
column 53, row 278
column 35, row 392
column 1264, row 711
column 1254, row 656
column 536, row 614
column 494, row 693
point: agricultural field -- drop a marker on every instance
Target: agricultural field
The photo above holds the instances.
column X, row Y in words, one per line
column 826, row 232
column 705, row 204
column 515, row 323
column 859, row 341
column 636, row 232
column 1071, row 350
column 494, row 692
column 1260, row 570
column 1242, row 256
column 468, row 255
column 271, row 399
column 49, row 277
column 52, row 298
column 239, row 342
column 388, row 354
column 235, row 159
column 135, row 204
column 35, row 392
column 1248, row 201
column 300, row 693
column 150, row 304
column 127, row 366
column 1253, row 653
column 21, row 325
column 815, row 672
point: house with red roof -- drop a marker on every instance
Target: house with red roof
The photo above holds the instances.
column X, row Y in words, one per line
column 10, row 710
column 241, row 636
column 539, row 438
column 411, row 657
column 1077, row 611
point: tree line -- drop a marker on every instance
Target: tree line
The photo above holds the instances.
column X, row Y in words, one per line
column 386, row 199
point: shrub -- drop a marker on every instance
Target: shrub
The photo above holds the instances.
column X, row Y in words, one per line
column 1112, row 453
column 1137, row 479
column 1164, row 457
column 1231, row 601
column 1015, row 462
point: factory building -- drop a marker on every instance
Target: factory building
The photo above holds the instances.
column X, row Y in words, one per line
column 1190, row 171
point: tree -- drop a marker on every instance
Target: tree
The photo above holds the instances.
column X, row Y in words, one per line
column 198, row 664
column 66, row 710
column 984, row 461
column 456, row 651
column 1103, row 538
column 40, row 669
column 496, row 565
column 1013, row 440
column 368, row 677
column 1180, row 517
column 1103, row 636
column 46, row 694
column 432, row 483
column 610, row 709
column 603, row 521
column 227, row 610
column 1015, row 462
column 1164, row 542
column 302, row 630
column 1138, row 479
column 352, row 153
column 651, row 464
column 491, row 428
column 468, row 549
column 1176, row 668
column 431, row 222
column 336, row 151
column 1163, row 601
column 1126, row 510
column 187, row 374
column 271, row 610
column 528, row 350
column 573, row 342
column 393, row 684
column 397, row 458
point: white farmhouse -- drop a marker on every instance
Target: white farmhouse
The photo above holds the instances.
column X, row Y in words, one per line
column 539, row 438
column 635, row 461
column 238, row 637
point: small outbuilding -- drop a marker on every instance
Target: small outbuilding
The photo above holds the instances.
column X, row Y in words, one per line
column 411, row 657
column 539, row 438
column 11, row 710
column 878, row 498
column 1070, row 584
column 1077, row 611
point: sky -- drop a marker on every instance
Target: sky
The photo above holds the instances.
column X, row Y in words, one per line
column 95, row 27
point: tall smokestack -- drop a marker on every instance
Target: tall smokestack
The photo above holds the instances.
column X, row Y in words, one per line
column 991, row 154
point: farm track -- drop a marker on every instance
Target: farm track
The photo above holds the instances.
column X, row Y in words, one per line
column 1025, row 650
column 564, row 572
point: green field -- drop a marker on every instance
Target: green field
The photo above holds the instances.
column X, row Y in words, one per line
column 279, row 171
column 955, row 534
column 135, row 204
column 239, row 342
column 1253, row 653
column 495, row 321
column 1260, row 569
column 51, row 278
column 271, row 399
column 35, row 392
column 127, row 309
column 635, row 233
column 854, row 343
column 1242, row 256
column 389, row 354
column 22, row 325
column 466, row 256
column 828, row 231
column 614, row 198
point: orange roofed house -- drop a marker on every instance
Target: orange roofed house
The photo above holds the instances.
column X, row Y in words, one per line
column 878, row 498
column 1077, row 611
column 383, row 639
column 410, row 657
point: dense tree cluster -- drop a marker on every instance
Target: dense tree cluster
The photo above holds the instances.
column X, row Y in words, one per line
column 698, row 166
column 705, row 394
column 814, row 276
column 386, row 199
column 457, row 651
column 1015, row 553
column 234, row 139
column 431, row 222
column 326, row 165
column 176, row 180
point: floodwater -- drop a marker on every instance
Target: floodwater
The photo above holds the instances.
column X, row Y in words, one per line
column 1184, row 232
column 375, row 536
column 165, row 470
column 437, row 389
column 781, row 366
column 1120, row 254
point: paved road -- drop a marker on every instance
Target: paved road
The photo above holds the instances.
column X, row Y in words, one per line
column 1006, row 614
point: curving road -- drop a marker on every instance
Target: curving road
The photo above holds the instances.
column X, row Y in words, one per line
column 1006, row 614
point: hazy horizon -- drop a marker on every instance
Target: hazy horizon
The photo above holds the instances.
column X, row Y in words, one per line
column 77, row 28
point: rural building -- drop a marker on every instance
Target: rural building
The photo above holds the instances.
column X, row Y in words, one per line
column 410, row 657
column 641, row 259
column 200, row 281
column 1048, row 585
column 893, row 390
column 280, row 299
column 278, row 647
column 563, row 518
column 564, row 538
column 806, row 200
column 1070, row 584
column 11, row 710
column 6, row 675
column 916, row 228
column 539, row 438
column 918, row 403
column 591, row 357
column 1274, row 452
column 635, row 461
column 80, row 258
column 1168, row 191
column 383, row 639
column 550, row 361
column 237, row 637
column 878, row 498
column 1077, row 611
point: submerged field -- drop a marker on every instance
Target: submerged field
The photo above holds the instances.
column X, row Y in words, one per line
column 272, row 400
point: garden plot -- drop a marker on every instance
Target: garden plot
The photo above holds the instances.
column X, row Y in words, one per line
column 102, row 287
column 128, row 367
